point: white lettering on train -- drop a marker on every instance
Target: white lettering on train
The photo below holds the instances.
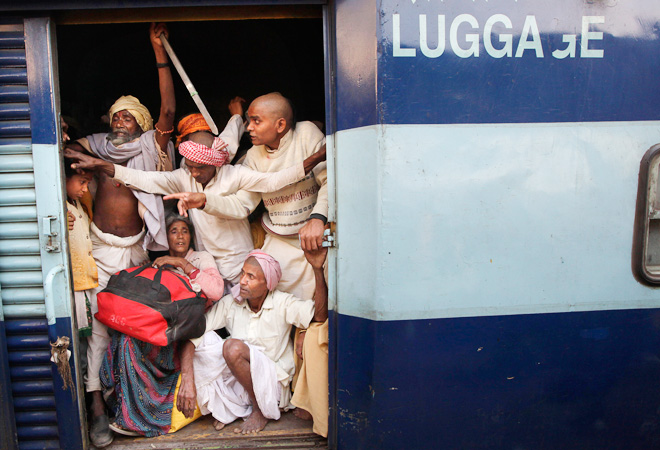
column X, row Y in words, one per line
column 497, row 45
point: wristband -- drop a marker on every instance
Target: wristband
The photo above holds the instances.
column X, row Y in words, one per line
column 162, row 65
column 193, row 274
column 319, row 216
column 163, row 132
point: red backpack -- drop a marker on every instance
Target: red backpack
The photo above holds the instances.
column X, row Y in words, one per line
column 153, row 305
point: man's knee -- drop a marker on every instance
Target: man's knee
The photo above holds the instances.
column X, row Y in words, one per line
column 233, row 350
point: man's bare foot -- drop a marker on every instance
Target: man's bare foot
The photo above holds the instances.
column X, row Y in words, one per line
column 302, row 414
column 253, row 424
column 218, row 425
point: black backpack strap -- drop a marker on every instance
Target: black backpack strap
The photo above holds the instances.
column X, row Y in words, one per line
column 140, row 270
column 155, row 284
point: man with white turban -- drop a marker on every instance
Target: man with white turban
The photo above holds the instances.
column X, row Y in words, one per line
column 248, row 375
column 118, row 235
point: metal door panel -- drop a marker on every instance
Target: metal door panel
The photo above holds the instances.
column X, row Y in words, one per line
column 39, row 414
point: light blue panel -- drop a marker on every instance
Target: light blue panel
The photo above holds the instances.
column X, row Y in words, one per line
column 478, row 220
column 358, row 220
column 54, row 261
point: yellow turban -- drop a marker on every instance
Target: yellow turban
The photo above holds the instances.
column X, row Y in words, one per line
column 137, row 109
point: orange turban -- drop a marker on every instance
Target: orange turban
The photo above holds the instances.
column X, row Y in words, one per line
column 190, row 124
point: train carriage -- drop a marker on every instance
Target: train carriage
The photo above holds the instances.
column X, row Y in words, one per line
column 493, row 194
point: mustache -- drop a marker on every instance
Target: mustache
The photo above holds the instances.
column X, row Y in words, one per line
column 120, row 136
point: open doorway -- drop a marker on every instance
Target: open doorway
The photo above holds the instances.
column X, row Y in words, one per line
column 98, row 63
column 224, row 58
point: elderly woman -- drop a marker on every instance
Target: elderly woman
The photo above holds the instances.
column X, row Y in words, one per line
column 138, row 378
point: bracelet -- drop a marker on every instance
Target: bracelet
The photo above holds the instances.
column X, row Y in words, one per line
column 162, row 65
column 164, row 132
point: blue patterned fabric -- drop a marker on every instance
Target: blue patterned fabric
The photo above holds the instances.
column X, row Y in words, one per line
column 138, row 381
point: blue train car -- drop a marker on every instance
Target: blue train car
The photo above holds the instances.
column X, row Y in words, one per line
column 494, row 194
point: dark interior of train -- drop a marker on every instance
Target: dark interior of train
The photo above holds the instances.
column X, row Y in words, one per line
column 223, row 58
column 246, row 58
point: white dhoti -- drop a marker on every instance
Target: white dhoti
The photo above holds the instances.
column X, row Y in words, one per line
column 219, row 392
column 111, row 254
column 297, row 273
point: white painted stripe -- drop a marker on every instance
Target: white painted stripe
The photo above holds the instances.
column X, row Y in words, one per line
column 474, row 220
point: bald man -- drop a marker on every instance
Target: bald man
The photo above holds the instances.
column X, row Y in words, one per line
column 296, row 215
column 294, row 223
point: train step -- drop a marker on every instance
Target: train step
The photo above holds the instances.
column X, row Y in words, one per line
column 287, row 433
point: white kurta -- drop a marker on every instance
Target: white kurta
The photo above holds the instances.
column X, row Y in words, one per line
column 225, row 235
column 268, row 329
column 290, row 208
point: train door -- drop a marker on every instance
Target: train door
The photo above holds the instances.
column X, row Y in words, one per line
column 224, row 57
column 40, row 402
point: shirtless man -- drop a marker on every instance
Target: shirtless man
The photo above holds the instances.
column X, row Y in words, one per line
column 118, row 228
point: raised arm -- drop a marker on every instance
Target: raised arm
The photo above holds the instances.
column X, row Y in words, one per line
column 255, row 181
column 311, row 234
column 165, row 125
column 316, row 258
column 161, row 183
column 233, row 131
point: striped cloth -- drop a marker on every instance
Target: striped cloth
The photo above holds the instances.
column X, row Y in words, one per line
column 138, row 381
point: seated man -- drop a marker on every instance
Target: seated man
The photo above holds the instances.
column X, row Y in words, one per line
column 248, row 375
column 205, row 180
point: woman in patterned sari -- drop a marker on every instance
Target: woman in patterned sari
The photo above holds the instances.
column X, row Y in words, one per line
column 139, row 378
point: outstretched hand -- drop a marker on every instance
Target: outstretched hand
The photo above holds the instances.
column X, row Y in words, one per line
column 187, row 200
column 87, row 162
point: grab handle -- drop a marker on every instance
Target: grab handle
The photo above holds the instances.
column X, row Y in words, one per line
column 48, row 293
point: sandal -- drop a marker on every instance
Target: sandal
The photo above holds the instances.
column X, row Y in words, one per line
column 117, row 429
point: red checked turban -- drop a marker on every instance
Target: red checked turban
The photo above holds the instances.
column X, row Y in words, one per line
column 201, row 154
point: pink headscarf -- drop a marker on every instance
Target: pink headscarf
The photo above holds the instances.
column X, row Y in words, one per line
column 270, row 267
column 201, row 154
